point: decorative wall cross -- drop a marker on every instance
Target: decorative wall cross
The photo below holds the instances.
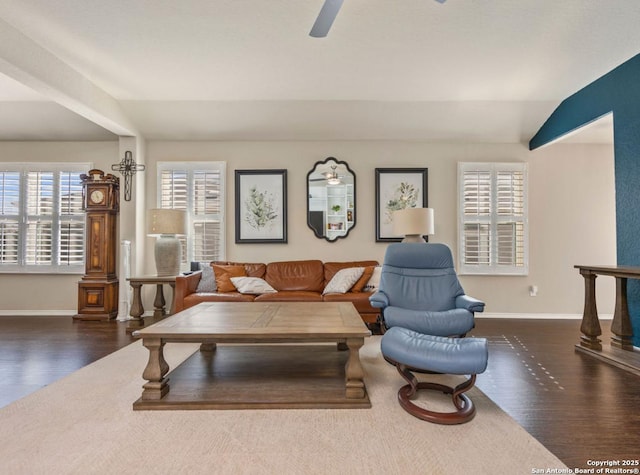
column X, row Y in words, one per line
column 128, row 167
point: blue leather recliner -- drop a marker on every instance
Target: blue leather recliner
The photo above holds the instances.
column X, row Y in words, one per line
column 424, row 307
column 419, row 290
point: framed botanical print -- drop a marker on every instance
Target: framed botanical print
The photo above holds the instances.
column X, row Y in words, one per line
column 397, row 188
column 261, row 206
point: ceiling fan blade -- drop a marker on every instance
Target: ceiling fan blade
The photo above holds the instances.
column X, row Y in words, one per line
column 325, row 18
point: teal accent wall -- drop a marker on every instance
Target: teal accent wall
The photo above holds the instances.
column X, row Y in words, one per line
column 619, row 92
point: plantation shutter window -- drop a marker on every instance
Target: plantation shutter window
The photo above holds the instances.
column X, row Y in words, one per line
column 42, row 224
column 492, row 218
column 198, row 188
column 9, row 217
column 40, row 200
column 72, row 219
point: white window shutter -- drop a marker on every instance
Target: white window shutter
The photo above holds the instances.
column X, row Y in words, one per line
column 9, row 217
column 72, row 221
column 477, row 193
column 41, row 217
column 9, row 241
column 198, row 188
column 71, row 243
column 492, row 218
column 477, row 244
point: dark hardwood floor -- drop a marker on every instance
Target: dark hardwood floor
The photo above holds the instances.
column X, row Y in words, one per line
column 36, row 351
column 579, row 408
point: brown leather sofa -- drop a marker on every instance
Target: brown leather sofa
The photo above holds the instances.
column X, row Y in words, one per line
column 295, row 281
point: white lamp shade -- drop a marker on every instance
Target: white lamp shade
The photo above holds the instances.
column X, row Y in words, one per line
column 413, row 222
column 166, row 221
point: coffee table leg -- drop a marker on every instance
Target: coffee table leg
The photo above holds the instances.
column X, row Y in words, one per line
column 155, row 371
column 353, row 370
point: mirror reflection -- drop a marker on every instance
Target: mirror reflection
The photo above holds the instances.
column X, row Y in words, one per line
column 331, row 199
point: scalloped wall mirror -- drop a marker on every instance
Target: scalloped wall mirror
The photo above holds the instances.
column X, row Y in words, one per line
column 331, row 199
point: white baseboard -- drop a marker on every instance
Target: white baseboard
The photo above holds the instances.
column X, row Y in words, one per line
column 541, row 316
column 53, row 313
column 37, row 313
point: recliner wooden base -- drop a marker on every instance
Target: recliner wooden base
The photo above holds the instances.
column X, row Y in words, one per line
column 465, row 408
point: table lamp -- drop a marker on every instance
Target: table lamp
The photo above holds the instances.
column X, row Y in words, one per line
column 413, row 223
column 166, row 225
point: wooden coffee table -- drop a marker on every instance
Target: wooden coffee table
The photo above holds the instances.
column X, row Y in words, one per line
column 271, row 355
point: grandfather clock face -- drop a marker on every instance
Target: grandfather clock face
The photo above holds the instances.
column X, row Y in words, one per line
column 100, row 197
column 97, row 197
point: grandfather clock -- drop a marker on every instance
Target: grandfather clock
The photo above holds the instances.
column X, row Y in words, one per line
column 98, row 289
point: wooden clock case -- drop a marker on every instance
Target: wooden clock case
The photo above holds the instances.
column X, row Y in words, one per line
column 98, row 289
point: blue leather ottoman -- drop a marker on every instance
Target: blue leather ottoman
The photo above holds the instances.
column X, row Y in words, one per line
column 412, row 351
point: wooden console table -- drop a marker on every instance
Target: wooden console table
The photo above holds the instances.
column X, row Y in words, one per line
column 620, row 352
column 137, row 309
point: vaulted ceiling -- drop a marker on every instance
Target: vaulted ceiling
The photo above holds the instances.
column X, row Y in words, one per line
column 462, row 71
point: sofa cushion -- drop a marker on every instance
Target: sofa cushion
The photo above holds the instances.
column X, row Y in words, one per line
column 254, row 269
column 343, row 280
column 296, row 275
column 290, row 296
column 223, row 276
column 252, row 285
column 330, row 268
column 194, row 299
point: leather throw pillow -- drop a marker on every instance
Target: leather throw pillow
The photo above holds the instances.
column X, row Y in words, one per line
column 362, row 281
column 223, row 276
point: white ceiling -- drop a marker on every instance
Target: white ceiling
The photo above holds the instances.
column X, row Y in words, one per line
column 481, row 71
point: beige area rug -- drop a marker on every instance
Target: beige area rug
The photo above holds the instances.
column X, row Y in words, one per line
column 85, row 424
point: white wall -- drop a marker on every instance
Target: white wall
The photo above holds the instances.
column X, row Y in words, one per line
column 572, row 218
